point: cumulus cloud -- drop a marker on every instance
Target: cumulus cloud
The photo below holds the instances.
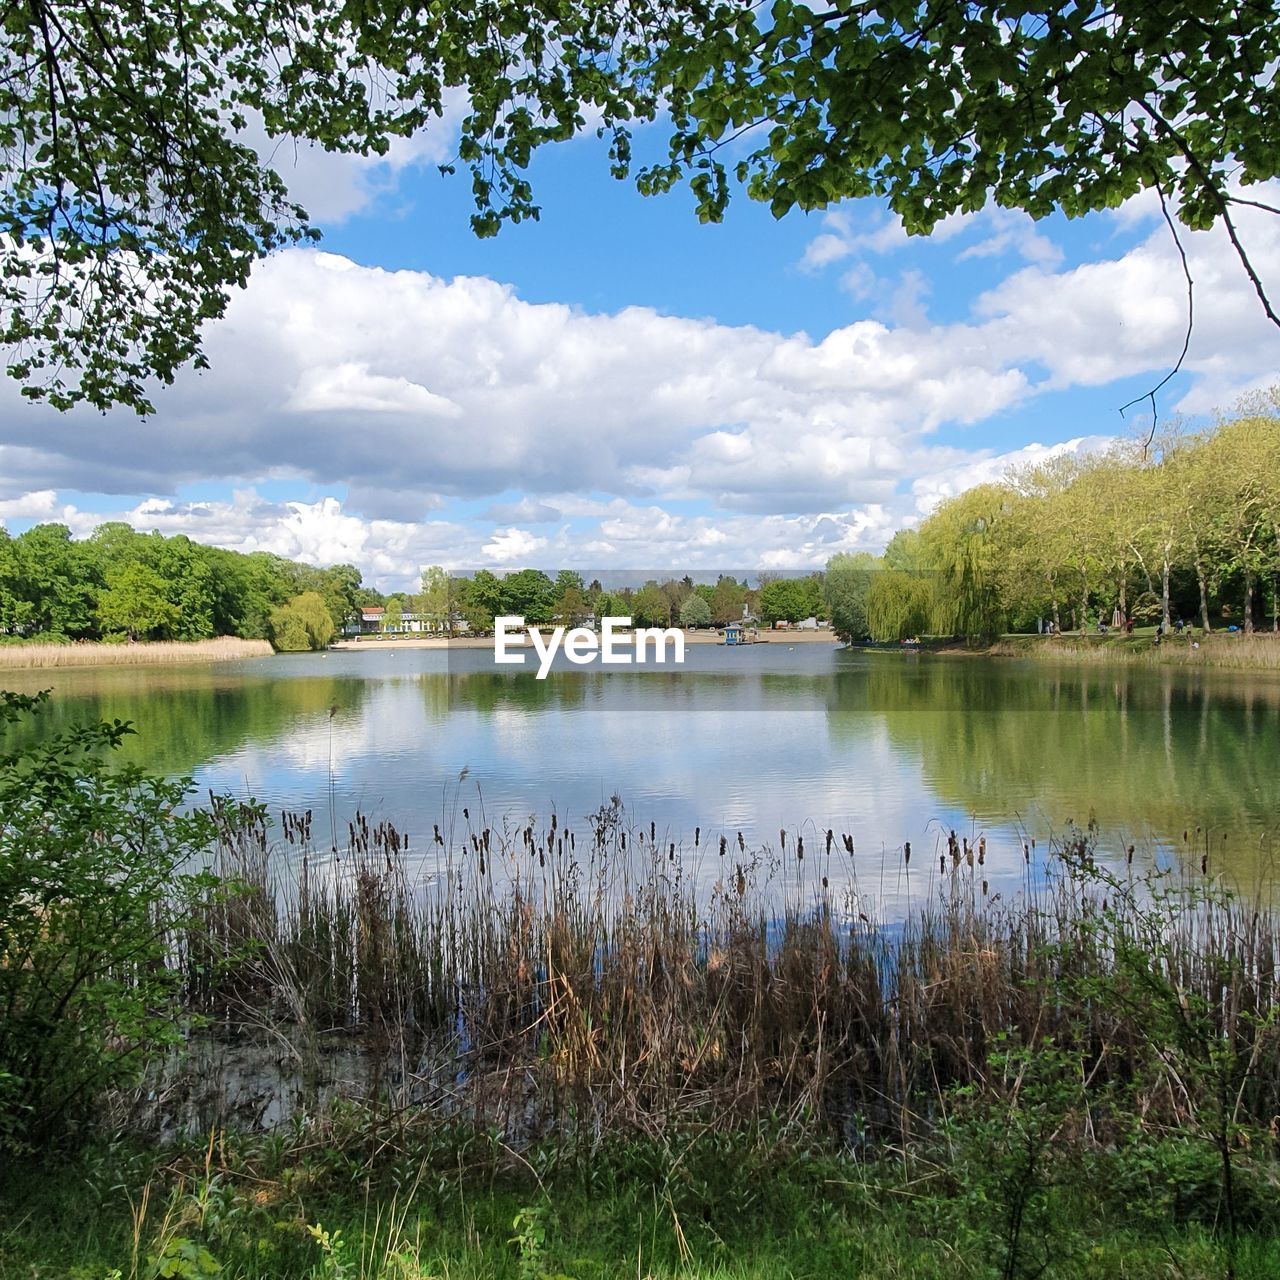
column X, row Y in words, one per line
column 334, row 186
column 605, row 437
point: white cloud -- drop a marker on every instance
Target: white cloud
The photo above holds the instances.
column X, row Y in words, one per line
column 334, row 186
column 412, row 392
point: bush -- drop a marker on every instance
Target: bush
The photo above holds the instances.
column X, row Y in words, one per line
column 92, row 891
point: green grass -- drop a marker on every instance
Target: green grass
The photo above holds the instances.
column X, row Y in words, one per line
column 711, row 1206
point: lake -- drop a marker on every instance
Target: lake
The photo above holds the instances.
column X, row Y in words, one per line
column 888, row 747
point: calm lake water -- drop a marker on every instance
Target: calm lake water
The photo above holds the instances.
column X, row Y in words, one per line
column 888, row 747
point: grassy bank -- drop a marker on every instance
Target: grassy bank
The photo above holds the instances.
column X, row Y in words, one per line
column 26, row 657
column 587, row 1049
column 370, row 1197
column 1218, row 650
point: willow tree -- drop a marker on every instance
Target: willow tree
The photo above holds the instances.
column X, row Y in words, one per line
column 962, row 542
column 901, row 603
column 133, row 201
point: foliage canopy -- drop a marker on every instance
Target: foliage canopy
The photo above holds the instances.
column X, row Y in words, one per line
column 135, row 193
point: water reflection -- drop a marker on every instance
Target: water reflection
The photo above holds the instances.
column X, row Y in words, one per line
column 887, row 748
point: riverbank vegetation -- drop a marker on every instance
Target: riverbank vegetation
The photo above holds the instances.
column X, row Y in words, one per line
column 1222, row 651
column 541, row 1048
column 120, row 584
column 1186, row 527
column 28, row 657
column 568, row 598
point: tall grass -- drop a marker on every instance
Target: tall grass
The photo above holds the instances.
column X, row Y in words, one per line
column 544, row 979
column 153, row 653
column 1235, row 651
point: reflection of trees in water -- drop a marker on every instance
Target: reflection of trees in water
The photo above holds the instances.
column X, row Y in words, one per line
column 671, row 693
column 184, row 721
column 1133, row 749
column 490, row 691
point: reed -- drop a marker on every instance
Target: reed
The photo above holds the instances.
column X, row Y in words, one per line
column 153, row 653
column 1219, row 650
column 611, row 979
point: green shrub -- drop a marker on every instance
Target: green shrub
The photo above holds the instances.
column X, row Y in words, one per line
column 92, row 888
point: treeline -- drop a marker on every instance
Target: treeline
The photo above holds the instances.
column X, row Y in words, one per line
column 450, row 602
column 121, row 584
column 1186, row 527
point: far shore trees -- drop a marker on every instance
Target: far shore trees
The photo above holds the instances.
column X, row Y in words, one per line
column 54, row 587
column 1186, row 529
column 695, row 612
column 134, row 602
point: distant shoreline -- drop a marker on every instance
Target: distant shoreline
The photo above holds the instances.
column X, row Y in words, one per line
column 29, row 657
column 371, row 643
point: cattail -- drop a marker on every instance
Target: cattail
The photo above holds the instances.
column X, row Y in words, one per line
column 1026, row 852
column 1128, row 856
column 697, row 836
column 982, row 850
column 906, row 854
column 742, row 844
column 722, row 846
column 800, row 848
column 829, row 839
column 782, row 839
column 671, row 853
column 653, row 831
column 942, row 864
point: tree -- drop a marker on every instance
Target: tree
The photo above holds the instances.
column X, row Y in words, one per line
column 477, row 601
column 900, row 604
column 340, row 585
column 944, row 109
column 847, row 585
column 961, row 543
column 59, row 579
column 727, row 600
column 435, row 603
column 650, row 608
column 783, row 600
column 135, row 603
column 695, row 612
column 133, row 201
column 304, row 623
column 528, row 593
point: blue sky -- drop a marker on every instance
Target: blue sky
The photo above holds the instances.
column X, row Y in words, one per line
column 618, row 385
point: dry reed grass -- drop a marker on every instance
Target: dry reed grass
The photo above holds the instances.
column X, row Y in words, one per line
column 1220, row 650
column 154, row 653
column 545, row 980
